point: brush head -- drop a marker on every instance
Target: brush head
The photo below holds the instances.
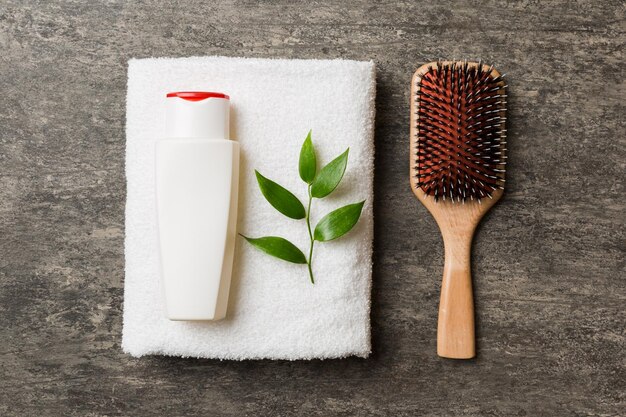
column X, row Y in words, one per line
column 458, row 131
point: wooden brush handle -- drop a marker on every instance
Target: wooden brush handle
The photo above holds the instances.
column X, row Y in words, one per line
column 455, row 331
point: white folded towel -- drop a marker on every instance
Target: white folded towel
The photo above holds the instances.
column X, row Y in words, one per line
column 274, row 311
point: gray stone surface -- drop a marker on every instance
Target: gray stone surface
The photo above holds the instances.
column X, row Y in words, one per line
column 549, row 259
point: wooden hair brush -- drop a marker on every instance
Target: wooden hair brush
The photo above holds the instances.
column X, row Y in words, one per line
column 458, row 112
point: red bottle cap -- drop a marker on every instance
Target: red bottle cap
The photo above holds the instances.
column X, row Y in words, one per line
column 197, row 95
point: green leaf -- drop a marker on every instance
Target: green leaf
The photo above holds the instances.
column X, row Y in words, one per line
column 308, row 162
column 280, row 198
column 279, row 248
column 338, row 222
column 329, row 177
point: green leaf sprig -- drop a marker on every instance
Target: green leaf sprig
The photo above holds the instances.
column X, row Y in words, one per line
column 320, row 184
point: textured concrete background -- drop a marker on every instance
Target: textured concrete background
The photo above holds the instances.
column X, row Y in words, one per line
column 549, row 259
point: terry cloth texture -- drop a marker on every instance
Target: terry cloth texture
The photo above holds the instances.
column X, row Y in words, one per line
column 274, row 311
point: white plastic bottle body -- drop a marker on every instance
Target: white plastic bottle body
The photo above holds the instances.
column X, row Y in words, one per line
column 197, row 204
column 197, row 179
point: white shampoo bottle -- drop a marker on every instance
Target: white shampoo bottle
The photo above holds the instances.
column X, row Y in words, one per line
column 197, row 177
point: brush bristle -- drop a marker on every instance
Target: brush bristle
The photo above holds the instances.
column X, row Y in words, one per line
column 460, row 132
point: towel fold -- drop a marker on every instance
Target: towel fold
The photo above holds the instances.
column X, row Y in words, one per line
column 274, row 311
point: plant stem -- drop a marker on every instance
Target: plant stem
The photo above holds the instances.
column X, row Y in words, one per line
column 308, row 225
column 309, row 263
